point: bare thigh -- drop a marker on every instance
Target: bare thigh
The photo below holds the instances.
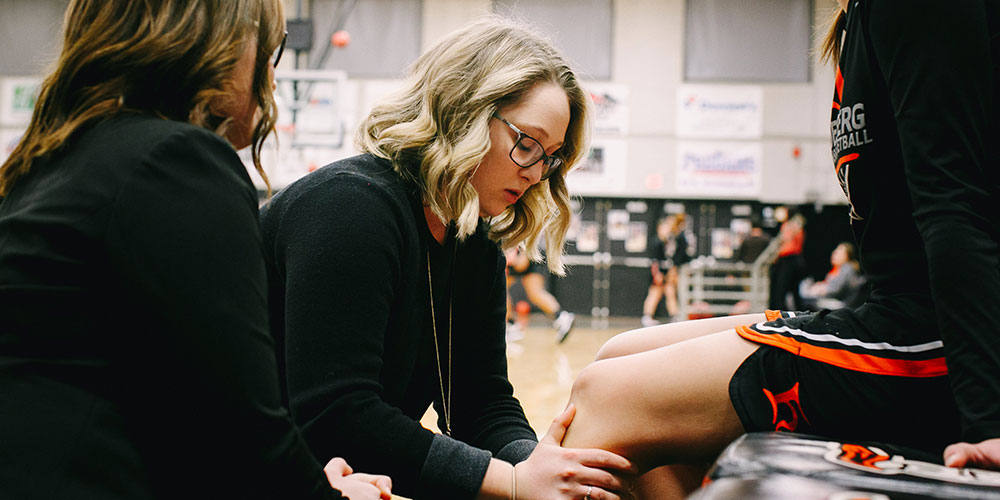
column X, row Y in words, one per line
column 654, row 337
column 668, row 405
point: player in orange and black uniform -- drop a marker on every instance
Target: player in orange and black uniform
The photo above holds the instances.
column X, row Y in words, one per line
column 915, row 145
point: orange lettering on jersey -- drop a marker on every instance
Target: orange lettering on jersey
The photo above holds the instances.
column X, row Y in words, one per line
column 844, row 159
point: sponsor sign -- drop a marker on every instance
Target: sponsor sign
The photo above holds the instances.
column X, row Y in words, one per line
column 725, row 169
column 720, row 111
column 17, row 100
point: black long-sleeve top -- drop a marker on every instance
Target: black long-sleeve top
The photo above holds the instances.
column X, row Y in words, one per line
column 135, row 361
column 346, row 250
column 916, row 144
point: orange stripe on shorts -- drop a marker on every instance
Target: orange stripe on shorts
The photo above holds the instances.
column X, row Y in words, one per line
column 934, row 367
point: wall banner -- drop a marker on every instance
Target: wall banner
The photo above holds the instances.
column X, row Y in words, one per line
column 609, row 108
column 17, row 100
column 720, row 111
column 719, row 168
column 603, row 171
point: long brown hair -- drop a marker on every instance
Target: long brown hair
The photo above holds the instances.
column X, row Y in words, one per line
column 829, row 49
column 170, row 58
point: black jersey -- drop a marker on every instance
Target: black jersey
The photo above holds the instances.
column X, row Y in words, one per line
column 915, row 145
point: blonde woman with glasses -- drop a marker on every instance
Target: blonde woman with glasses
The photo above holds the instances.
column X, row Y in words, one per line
column 387, row 276
column 135, row 361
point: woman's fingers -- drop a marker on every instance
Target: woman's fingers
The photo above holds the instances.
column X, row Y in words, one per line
column 602, row 459
column 590, row 492
column 557, row 431
column 603, row 469
column 604, row 480
column 383, row 483
column 337, row 467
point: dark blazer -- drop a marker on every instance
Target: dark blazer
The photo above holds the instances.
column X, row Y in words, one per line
column 135, row 360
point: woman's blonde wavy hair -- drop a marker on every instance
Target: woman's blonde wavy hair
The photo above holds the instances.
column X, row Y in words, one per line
column 170, row 58
column 436, row 130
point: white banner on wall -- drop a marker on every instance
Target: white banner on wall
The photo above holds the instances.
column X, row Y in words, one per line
column 720, row 111
column 315, row 126
column 17, row 99
column 719, row 168
column 609, row 107
column 603, row 171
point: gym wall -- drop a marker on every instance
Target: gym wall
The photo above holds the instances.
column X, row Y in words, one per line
column 642, row 69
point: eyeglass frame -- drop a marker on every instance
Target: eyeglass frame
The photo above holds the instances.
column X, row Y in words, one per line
column 554, row 161
column 275, row 59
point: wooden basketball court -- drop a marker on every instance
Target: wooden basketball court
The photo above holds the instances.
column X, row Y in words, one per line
column 542, row 370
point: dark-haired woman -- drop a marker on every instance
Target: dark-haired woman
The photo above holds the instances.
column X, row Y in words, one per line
column 135, row 359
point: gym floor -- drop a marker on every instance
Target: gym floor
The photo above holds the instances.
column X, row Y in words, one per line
column 542, row 371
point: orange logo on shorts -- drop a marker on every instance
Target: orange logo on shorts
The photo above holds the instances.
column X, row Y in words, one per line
column 786, row 398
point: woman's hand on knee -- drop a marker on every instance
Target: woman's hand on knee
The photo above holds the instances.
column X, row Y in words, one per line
column 554, row 472
column 357, row 486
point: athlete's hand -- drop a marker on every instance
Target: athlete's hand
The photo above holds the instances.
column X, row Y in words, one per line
column 984, row 455
column 554, row 472
column 357, row 486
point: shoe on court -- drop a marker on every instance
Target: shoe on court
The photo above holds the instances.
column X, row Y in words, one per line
column 648, row 321
column 514, row 332
column 563, row 324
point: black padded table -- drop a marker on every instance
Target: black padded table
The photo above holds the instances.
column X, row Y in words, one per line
column 786, row 466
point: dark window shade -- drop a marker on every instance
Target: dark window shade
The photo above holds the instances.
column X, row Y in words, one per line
column 385, row 36
column 747, row 40
column 581, row 29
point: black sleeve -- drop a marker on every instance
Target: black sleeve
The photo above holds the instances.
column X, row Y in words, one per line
column 341, row 249
column 183, row 240
column 937, row 63
column 485, row 413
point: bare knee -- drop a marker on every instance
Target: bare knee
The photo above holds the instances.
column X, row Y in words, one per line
column 593, row 393
column 619, row 345
column 588, row 384
column 610, row 415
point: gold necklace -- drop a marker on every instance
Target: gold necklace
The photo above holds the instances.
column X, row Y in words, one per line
column 445, row 401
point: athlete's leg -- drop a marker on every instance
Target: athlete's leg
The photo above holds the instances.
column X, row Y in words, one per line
column 534, row 288
column 670, row 481
column 652, row 300
column 645, row 339
column 670, row 290
column 663, row 406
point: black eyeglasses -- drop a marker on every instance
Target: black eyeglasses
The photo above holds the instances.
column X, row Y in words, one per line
column 527, row 151
column 276, row 57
